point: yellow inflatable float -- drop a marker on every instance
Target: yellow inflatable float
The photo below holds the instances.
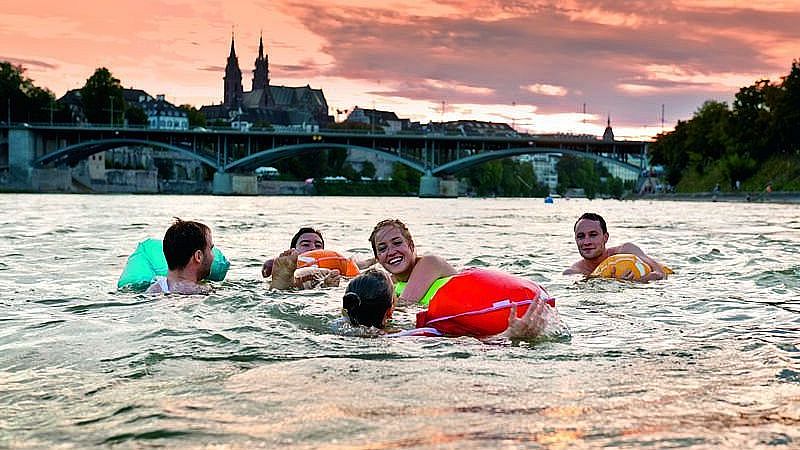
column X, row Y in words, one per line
column 616, row 265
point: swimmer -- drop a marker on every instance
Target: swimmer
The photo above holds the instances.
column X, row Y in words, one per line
column 591, row 236
column 369, row 300
column 307, row 239
column 286, row 275
column 394, row 250
column 188, row 249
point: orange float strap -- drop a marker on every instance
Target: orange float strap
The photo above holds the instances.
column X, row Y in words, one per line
column 477, row 302
column 328, row 259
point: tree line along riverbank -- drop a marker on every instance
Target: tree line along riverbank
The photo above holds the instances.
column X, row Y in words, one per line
column 753, row 145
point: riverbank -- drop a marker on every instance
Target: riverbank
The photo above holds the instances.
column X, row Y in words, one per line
column 729, row 197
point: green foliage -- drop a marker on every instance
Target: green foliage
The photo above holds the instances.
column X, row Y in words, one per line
column 368, row 169
column 196, row 118
column 350, row 173
column 591, row 176
column 135, row 116
column 25, row 101
column 722, row 145
column 504, row 177
column 102, row 98
column 404, row 179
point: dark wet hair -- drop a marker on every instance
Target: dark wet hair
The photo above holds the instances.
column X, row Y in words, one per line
column 303, row 231
column 367, row 298
column 594, row 217
column 395, row 223
column 181, row 240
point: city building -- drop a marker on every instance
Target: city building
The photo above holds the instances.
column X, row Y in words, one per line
column 265, row 105
column 545, row 167
column 160, row 113
column 386, row 120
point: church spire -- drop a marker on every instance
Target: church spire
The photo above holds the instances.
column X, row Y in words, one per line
column 608, row 135
column 233, row 79
column 261, row 72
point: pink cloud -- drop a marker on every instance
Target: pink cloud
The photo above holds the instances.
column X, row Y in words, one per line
column 626, row 57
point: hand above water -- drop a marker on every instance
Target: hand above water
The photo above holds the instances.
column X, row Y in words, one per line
column 531, row 324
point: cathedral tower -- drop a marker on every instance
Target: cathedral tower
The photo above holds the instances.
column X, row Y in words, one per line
column 233, row 80
column 261, row 73
column 608, row 135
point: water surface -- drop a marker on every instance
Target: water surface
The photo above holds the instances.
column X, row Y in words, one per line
column 707, row 359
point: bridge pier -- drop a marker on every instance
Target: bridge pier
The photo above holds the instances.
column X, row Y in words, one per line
column 431, row 186
column 222, row 184
column 21, row 155
column 232, row 184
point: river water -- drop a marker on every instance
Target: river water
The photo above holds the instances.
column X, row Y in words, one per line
column 707, row 359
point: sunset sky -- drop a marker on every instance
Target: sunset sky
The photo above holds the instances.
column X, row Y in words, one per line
column 533, row 63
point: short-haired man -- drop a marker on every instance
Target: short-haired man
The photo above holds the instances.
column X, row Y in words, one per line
column 188, row 249
column 591, row 236
column 306, row 239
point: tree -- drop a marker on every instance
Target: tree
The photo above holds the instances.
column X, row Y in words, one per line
column 196, row 118
column 102, row 98
column 24, row 101
column 404, row 179
column 135, row 116
column 368, row 169
column 786, row 111
column 750, row 121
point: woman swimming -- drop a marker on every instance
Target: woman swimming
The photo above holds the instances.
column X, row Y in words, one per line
column 394, row 249
column 369, row 299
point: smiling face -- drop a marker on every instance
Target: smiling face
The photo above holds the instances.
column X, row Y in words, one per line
column 394, row 251
column 590, row 239
column 309, row 241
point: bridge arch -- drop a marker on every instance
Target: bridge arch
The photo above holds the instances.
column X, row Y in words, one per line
column 278, row 153
column 72, row 154
column 474, row 160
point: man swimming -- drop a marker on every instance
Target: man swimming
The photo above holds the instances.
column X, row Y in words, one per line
column 591, row 236
column 188, row 249
column 305, row 239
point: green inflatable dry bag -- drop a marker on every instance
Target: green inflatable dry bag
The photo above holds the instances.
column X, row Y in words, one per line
column 148, row 261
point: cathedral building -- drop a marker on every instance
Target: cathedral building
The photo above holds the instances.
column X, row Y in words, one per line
column 264, row 103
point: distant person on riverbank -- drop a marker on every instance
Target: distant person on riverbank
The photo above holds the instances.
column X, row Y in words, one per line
column 591, row 236
column 188, row 249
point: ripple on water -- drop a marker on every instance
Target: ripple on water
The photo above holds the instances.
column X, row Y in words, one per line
column 706, row 359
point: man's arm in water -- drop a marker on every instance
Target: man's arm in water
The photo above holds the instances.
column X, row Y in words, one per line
column 656, row 269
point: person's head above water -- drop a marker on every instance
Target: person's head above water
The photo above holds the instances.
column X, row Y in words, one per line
column 591, row 235
column 307, row 239
column 393, row 246
column 592, row 216
column 188, row 240
column 368, row 299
